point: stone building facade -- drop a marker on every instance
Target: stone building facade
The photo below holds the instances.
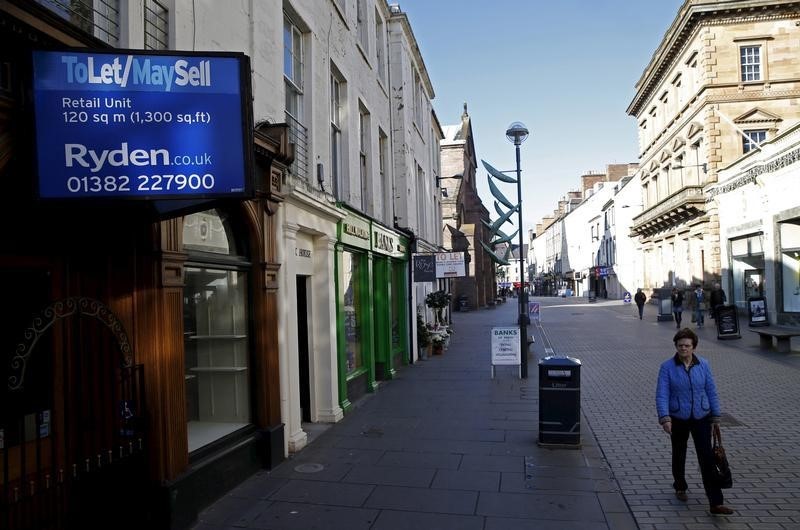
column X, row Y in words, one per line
column 722, row 80
column 462, row 213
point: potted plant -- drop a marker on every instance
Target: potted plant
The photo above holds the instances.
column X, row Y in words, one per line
column 438, row 337
column 438, row 300
column 423, row 335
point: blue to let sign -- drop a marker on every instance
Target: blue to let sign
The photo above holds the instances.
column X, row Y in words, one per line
column 145, row 126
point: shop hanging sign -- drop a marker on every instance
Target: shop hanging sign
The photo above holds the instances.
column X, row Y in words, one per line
column 450, row 265
column 424, row 268
column 139, row 125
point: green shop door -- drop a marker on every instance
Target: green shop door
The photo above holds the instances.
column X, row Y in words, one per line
column 381, row 292
column 399, row 304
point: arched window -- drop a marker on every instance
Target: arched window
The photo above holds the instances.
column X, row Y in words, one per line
column 216, row 329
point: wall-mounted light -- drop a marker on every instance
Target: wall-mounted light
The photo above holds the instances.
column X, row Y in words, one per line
column 457, row 176
column 704, row 166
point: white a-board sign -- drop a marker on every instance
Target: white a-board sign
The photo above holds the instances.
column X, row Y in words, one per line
column 505, row 347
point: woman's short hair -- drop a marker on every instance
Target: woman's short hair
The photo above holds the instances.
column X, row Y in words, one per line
column 686, row 333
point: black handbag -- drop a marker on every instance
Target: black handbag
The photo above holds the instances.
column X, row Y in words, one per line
column 722, row 470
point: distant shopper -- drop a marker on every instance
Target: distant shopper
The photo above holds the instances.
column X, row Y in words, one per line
column 698, row 303
column 716, row 299
column 640, row 299
column 677, row 306
column 687, row 403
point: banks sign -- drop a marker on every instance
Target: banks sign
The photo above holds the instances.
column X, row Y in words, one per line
column 139, row 125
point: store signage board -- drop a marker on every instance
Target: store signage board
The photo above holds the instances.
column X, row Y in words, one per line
column 137, row 125
column 355, row 231
column 757, row 311
column 535, row 312
column 450, row 265
column 424, row 268
column 505, row 346
column 626, row 298
column 385, row 241
column 727, row 321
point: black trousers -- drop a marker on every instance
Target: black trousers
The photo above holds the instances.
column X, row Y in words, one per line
column 701, row 434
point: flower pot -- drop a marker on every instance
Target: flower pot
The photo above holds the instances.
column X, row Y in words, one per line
column 438, row 348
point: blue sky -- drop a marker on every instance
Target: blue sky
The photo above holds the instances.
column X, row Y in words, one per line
column 567, row 69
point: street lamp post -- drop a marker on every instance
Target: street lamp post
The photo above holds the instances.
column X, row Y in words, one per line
column 518, row 133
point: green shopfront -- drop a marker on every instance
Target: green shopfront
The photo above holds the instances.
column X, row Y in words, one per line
column 372, row 305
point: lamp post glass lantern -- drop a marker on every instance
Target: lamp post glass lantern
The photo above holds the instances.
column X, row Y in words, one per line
column 516, row 134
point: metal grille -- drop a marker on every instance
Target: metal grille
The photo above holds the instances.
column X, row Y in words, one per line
column 298, row 135
column 96, row 17
column 45, row 486
column 156, row 24
column 5, row 78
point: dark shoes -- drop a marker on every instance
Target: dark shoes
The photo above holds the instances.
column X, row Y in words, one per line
column 721, row 509
column 681, row 495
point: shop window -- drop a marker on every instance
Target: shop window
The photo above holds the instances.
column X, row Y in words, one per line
column 99, row 18
column 380, row 47
column 790, row 265
column 753, row 139
column 750, row 63
column 351, row 302
column 293, row 70
column 216, row 330
column 361, row 25
column 156, row 26
column 338, row 91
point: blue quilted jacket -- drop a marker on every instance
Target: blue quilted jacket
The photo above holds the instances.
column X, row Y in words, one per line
column 686, row 394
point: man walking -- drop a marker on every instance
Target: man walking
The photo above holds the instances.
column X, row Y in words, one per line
column 640, row 299
column 716, row 299
column 698, row 303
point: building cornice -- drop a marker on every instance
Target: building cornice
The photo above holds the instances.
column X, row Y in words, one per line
column 693, row 15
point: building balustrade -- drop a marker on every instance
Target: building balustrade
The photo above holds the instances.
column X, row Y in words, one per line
column 684, row 204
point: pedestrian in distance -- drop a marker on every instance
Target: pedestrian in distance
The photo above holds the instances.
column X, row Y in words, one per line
column 677, row 306
column 640, row 299
column 687, row 403
column 698, row 303
column 716, row 299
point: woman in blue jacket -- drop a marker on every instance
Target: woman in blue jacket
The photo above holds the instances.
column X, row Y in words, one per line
column 687, row 403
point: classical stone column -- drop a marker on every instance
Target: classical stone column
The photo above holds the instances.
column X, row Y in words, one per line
column 325, row 370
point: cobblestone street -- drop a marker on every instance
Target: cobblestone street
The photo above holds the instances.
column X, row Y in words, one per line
column 758, row 391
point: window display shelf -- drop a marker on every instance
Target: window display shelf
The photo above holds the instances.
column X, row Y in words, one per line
column 219, row 369
column 218, row 337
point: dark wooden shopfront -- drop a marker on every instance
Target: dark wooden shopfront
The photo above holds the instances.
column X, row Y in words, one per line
column 93, row 425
